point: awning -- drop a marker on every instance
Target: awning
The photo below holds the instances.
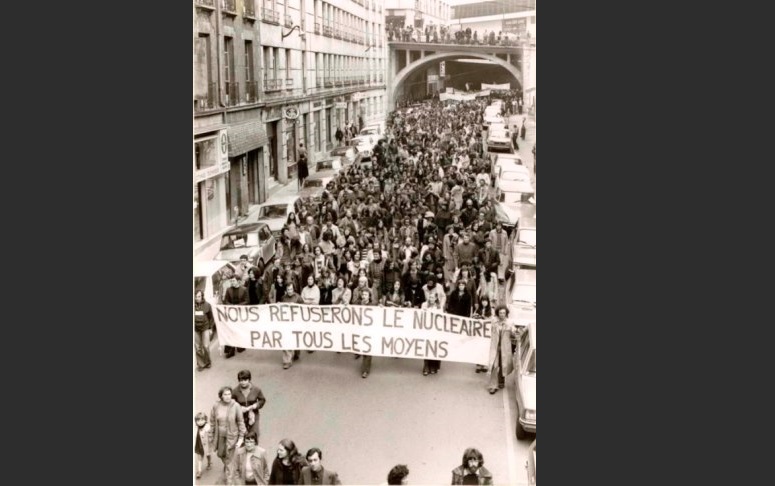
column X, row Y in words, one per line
column 246, row 136
column 211, row 128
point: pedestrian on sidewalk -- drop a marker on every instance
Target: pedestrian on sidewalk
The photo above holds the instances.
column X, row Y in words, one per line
column 523, row 130
column 303, row 169
column 203, row 325
column 339, row 136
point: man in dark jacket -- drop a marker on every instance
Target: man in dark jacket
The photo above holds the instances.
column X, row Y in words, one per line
column 235, row 295
column 490, row 257
column 465, row 251
column 315, row 473
column 251, row 399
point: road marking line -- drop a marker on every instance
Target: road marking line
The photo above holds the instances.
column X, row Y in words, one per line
column 510, row 437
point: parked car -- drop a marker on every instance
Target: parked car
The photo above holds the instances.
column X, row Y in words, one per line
column 525, row 243
column 346, row 153
column 371, row 130
column 208, row 277
column 525, row 381
column 513, row 184
column 502, row 159
column 275, row 211
column 253, row 239
column 499, row 142
column 330, row 166
column 314, row 186
column 523, row 285
column 530, row 464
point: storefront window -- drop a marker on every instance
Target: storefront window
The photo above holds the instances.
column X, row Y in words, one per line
column 212, row 205
column 197, row 218
column 206, row 155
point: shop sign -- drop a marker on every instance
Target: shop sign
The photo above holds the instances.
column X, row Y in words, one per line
column 356, row 96
column 317, row 104
column 223, row 147
column 213, row 171
column 340, row 105
column 432, row 78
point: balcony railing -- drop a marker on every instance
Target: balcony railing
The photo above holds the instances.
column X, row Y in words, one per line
column 232, row 93
column 329, row 82
column 251, row 91
column 207, row 103
column 229, row 6
column 272, row 84
column 206, row 3
column 317, row 27
column 327, row 31
column 381, row 78
column 249, row 9
column 288, row 21
column 320, row 82
column 288, row 83
column 270, row 16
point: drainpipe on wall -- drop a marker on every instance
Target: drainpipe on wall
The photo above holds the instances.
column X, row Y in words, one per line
column 218, row 28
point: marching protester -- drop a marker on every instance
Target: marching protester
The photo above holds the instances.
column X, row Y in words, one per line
column 287, row 465
column 472, row 470
column 227, row 430
column 203, row 325
column 202, row 446
column 237, row 294
column 315, row 473
column 250, row 463
column 250, row 398
column 500, row 362
column 398, row 474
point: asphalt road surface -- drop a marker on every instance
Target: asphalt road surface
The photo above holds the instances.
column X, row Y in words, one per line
column 366, row 426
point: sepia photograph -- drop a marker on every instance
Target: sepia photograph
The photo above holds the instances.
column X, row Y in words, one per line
column 364, row 251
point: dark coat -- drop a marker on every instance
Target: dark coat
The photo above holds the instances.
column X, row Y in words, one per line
column 459, row 305
column 329, row 477
column 296, row 464
column 236, row 296
column 303, row 169
column 203, row 316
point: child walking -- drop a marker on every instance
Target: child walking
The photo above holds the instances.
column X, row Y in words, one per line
column 202, row 446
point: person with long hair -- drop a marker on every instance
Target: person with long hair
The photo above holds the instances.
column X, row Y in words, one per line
column 255, row 291
column 472, row 470
column 342, row 294
column 500, row 361
column 278, row 289
column 227, row 429
column 203, row 326
column 286, row 467
column 306, row 258
column 431, row 366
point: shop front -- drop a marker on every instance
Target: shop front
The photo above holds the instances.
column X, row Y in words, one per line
column 211, row 209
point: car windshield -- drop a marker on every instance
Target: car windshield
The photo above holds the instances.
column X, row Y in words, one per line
column 325, row 165
column 313, row 183
column 239, row 240
column 273, row 211
column 500, row 149
column 527, row 237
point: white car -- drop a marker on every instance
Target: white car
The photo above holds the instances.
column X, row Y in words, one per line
column 525, row 243
column 208, row 277
column 525, row 381
column 274, row 212
column 524, row 286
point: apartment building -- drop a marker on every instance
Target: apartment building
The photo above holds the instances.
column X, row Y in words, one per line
column 268, row 75
column 417, row 13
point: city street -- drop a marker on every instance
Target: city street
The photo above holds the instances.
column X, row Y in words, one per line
column 366, row 426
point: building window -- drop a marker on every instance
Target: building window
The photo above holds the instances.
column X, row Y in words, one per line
column 251, row 89
column 318, row 139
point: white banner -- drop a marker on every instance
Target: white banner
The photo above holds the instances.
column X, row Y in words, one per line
column 375, row 331
column 458, row 96
column 506, row 86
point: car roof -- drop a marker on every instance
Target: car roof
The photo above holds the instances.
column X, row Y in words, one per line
column 207, row 268
column 244, row 228
column 278, row 200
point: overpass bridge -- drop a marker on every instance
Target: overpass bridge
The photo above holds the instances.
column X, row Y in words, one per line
column 413, row 60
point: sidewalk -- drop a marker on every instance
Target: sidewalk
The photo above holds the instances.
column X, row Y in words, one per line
column 526, row 146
